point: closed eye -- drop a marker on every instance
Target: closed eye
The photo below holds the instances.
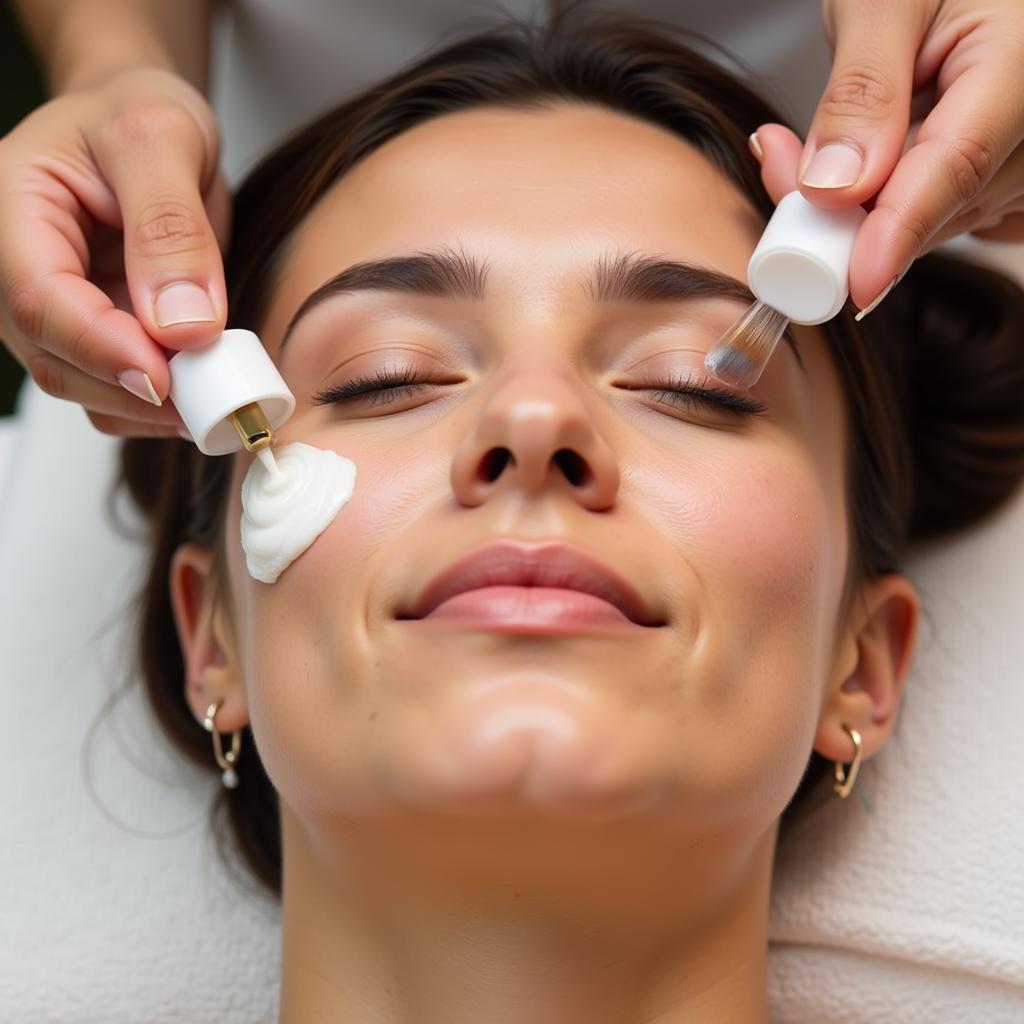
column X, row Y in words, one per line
column 389, row 385
column 690, row 393
column 383, row 386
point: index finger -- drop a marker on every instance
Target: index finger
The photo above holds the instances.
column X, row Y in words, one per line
column 959, row 147
column 43, row 270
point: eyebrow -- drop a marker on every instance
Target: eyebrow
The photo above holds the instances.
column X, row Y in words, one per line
column 451, row 273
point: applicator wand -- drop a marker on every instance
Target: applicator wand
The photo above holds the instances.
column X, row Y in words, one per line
column 231, row 395
column 799, row 273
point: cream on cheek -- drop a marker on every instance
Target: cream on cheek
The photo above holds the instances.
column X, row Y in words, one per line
column 285, row 510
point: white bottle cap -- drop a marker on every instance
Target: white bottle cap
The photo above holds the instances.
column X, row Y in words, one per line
column 802, row 263
column 210, row 383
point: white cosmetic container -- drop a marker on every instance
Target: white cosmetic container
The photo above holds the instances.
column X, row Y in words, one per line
column 802, row 263
column 230, row 394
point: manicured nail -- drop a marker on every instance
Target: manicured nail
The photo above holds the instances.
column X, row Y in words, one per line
column 834, row 166
column 139, row 384
column 182, row 303
column 878, row 298
column 755, row 147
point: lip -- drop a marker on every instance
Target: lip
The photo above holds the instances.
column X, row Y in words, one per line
column 549, row 585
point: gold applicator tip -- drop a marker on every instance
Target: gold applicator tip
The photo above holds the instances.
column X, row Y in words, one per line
column 742, row 353
column 256, row 435
column 252, row 427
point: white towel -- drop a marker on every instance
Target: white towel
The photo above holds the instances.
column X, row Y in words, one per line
column 116, row 909
column 915, row 884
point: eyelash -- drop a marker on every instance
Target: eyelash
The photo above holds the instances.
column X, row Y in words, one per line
column 380, row 387
column 385, row 386
column 686, row 390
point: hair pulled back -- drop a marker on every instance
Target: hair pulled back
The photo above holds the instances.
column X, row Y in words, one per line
column 933, row 381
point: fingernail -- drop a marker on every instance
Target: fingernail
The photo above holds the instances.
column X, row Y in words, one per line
column 182, row 303
column 834, row 166
column 878, row 298
column 139, row 384
column 755, row 147
column 184, row 434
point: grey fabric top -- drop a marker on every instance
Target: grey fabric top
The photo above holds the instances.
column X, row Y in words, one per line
column 275, row 64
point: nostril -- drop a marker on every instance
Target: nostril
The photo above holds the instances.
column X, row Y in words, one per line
column 493, row 464
column 575, row 469
column 572, row 466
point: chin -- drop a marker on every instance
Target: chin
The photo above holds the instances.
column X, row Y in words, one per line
column 532, row 751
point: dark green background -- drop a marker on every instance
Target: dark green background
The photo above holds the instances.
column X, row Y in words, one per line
column 21, row 90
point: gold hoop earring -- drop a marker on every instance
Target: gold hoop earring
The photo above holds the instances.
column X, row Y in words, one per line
column 230, row 759
column 845, row 780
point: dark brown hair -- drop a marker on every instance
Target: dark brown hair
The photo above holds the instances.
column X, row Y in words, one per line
column 933, row 380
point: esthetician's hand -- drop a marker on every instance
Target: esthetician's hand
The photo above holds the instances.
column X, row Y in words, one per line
column 924, row 114
column 111, row 205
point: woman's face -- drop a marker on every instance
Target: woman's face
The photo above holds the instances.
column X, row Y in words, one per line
column 541, row 414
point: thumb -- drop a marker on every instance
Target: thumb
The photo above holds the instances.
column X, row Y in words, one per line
column 857, row 134
column 172, row 258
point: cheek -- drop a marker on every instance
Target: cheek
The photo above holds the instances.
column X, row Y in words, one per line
column 769, row 533
column 756, row 527
column 760, row 553
column 305, row 639
column 395, row 482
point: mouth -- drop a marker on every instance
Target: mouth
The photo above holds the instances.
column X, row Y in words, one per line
column 516, row 587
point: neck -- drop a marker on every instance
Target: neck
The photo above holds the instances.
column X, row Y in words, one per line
column 424, row 924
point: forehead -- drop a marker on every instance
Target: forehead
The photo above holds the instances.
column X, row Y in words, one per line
column 540, row 192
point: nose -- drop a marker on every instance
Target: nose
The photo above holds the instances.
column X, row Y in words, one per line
column 535, row 434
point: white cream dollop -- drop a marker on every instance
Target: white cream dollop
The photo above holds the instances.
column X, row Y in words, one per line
column 284, row 512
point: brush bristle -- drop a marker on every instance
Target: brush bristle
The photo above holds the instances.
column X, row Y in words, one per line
column 732, row 366
column 743, row 351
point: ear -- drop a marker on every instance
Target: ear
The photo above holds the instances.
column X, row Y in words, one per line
column 212, row 667
column 871, row 669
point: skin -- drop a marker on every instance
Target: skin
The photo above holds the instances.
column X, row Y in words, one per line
column 568, row 828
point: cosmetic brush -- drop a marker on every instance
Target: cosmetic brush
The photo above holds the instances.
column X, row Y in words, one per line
column 798, row 273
